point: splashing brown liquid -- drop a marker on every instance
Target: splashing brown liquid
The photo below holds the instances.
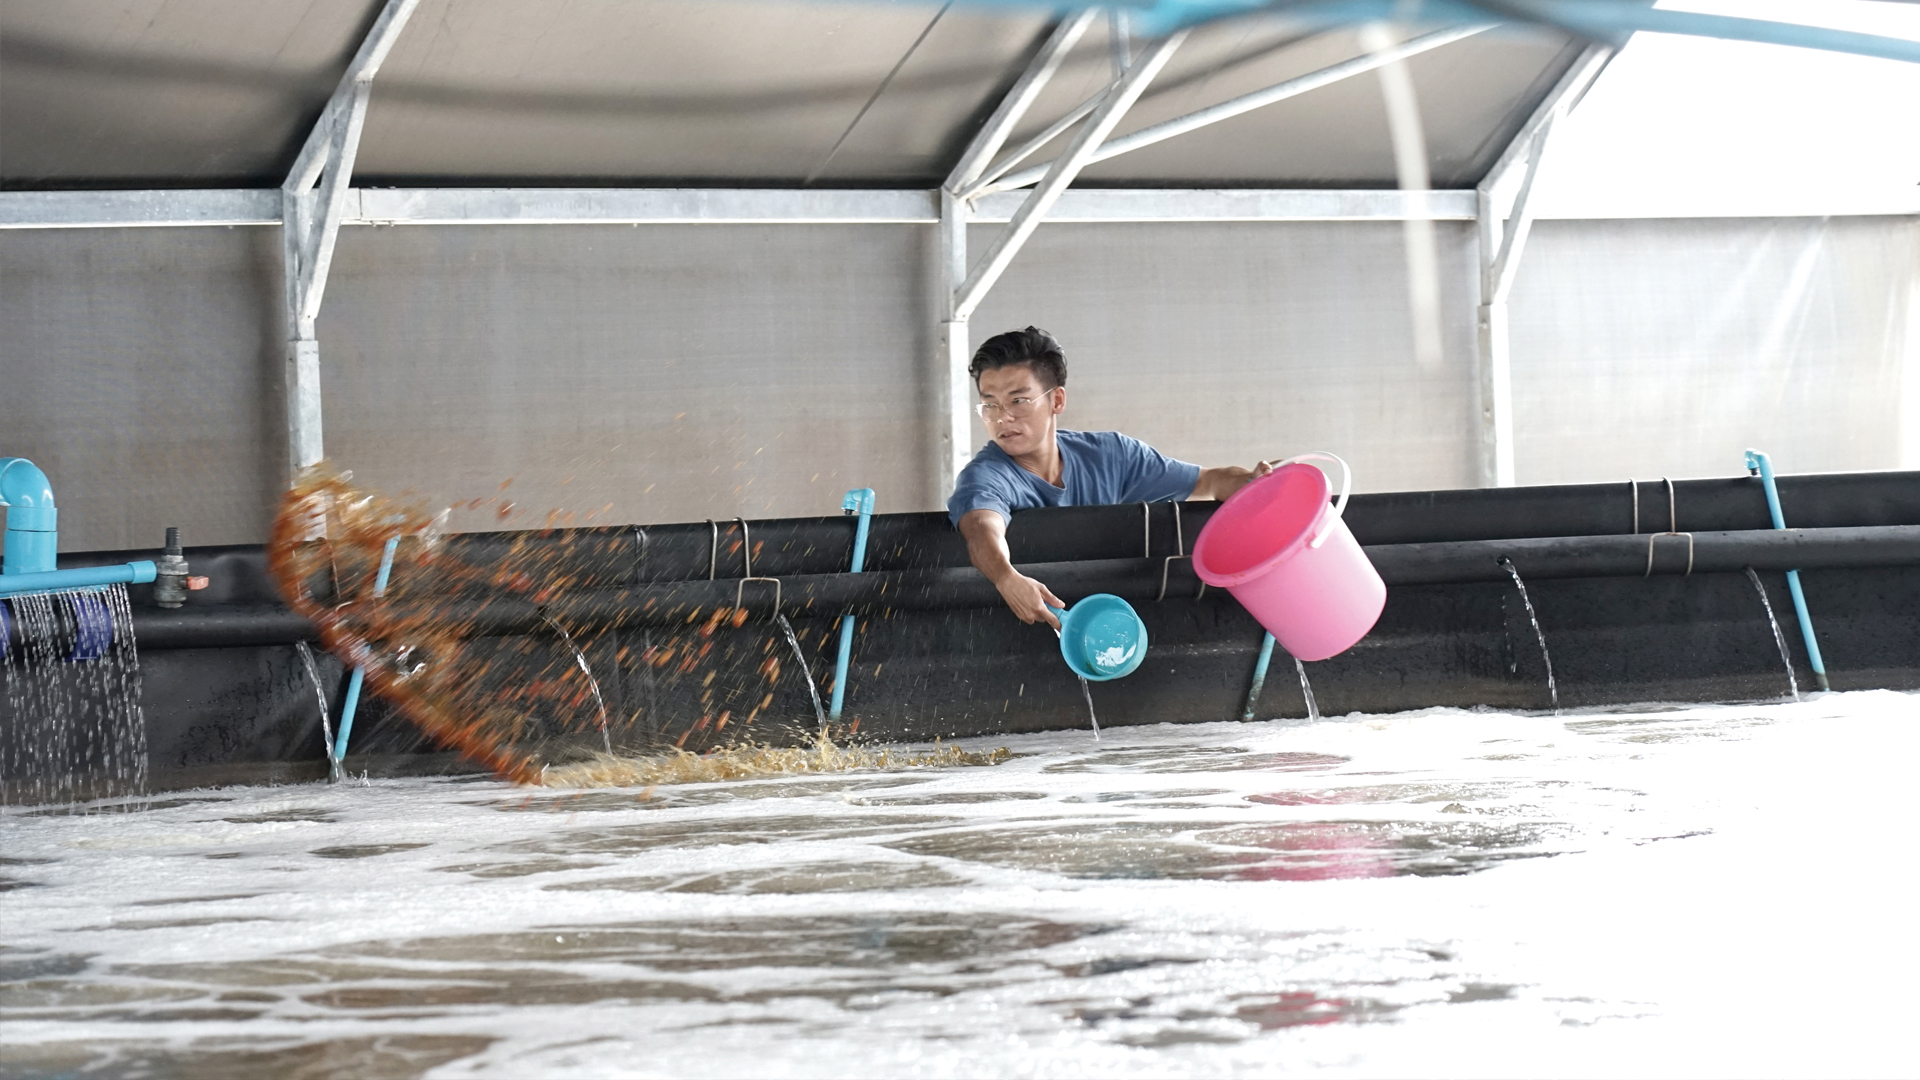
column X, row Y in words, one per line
column 524, row 702
column 750, row 762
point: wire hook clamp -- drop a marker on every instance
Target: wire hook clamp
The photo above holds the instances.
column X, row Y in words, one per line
column 1651, row 537
column 1166, row 563
column 740, row 587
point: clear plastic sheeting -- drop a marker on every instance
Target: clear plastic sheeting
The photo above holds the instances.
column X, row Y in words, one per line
column 1663, row 348
column 1646, row 891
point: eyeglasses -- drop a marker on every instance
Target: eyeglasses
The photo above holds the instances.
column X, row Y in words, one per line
column 1019, row 408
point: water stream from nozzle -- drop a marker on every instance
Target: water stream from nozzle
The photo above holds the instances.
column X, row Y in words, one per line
column 1779, row 639
column 335, row 774
column 1306, row 690
column 813, row 691
column 580, row 658
column 1553, row 691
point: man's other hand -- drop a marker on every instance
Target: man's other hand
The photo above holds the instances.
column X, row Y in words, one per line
column 1222, row 482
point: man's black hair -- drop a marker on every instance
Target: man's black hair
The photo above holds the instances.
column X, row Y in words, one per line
column 1030, row 346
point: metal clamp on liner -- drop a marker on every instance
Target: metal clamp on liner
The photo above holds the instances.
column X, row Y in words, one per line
column 1673, row 526
column 740, row 587
column 1651, row 537
column 746, row 552
column 1166, row 563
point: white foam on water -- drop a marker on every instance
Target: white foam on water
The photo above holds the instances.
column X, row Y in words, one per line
column 1683, row 891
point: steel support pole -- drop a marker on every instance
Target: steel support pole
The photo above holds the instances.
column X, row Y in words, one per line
column 954, row 444
column 313, row 201
column 1503, row 236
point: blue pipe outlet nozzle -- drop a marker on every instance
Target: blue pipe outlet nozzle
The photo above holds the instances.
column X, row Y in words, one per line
column 33, row 522
column 858, row 501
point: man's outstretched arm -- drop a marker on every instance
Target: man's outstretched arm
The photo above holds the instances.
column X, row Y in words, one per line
column 986, row 534
column 1225, row 480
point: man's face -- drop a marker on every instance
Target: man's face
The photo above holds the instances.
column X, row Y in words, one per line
column 1023, row 421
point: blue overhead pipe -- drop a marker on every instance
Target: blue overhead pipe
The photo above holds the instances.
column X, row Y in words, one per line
column 1758, row 463
column 359, row 674
column 1605, row 20
column 858, row 501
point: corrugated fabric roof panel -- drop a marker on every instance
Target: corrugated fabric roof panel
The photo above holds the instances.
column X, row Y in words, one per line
column 162, row 93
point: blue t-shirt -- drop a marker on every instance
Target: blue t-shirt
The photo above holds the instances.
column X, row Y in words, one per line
column 1097, row 468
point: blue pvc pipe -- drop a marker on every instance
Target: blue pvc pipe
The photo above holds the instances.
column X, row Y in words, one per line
column 858, row 501
column 1757, row 461
column 1259, row 677
column 32, row 520
column 132, row 573
column 359, row 675
column 1600, row 19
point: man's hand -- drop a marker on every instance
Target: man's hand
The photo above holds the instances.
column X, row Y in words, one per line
column 1028, row 599
column 986, row 533
column 1224, row 481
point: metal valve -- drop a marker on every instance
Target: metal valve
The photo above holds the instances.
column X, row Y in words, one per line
column 170, row 582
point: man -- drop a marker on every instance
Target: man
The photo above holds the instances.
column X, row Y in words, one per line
column 1022, row 379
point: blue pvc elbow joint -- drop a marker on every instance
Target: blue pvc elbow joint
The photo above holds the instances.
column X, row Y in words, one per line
column 1760, row 465
column 33, row 523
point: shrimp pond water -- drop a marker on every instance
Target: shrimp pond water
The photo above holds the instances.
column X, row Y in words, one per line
column 1720, row 890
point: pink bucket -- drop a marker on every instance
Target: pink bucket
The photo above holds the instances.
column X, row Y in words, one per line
column 1290, row 560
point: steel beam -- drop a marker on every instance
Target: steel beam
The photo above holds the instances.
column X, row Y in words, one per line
column 643, row 206
column 786, row 206
column 122, row 209
column 1065, row 168
column 313, row 203
column 1503, row 237
column 1246, row 103
column 1235, row 204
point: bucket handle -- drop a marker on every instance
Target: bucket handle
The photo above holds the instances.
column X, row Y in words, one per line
column 1346, row 488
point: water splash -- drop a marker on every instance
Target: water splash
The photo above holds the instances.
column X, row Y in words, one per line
column 1087, row 691
column 1553, row 691
column 580, row 658
column 74, row 728
column 335, row 774
column 752, row 762
column 1306, row 690
column 432, row 649
column 819, row 713
column 1779, row 639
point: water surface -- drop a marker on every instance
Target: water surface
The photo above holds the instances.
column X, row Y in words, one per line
column 1708, row 891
